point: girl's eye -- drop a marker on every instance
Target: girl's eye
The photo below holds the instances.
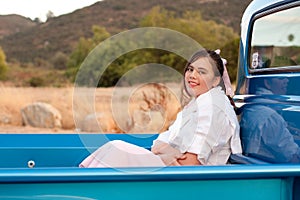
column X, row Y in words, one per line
column 201, row 72
column 190, row 69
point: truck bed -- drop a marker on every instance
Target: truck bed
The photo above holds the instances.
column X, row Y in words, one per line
column 56, row 175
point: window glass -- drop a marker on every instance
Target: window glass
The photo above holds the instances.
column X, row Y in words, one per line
column 276, row 41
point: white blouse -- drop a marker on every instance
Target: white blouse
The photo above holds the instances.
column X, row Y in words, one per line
column 208, row 127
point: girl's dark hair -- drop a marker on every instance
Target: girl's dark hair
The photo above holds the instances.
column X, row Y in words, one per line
column 215, row 58
column 216, row 61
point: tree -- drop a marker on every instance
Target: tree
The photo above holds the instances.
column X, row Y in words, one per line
column 100, row 34
column 291, row 37
column 37, row 20
column 230, row 51
column 49, row 15
column 3, row 65
column 60, row 60
column 209, row 34
column 83, row 48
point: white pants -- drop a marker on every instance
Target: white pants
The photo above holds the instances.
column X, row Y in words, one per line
column 118, row 153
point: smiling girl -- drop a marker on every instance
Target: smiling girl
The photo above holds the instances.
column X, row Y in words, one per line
column 205, row 132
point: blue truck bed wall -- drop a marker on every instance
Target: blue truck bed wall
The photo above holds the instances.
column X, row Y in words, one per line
column 57, row 150
column 56, row 175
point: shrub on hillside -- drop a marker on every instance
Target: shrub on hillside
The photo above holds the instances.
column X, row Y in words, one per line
column 3, row 65
column 36, row 82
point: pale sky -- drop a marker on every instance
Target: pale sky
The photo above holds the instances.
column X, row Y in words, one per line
column 40, row 8
column 279, row 27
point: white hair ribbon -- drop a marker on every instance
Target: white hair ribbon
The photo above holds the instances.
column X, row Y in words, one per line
column 225, row 77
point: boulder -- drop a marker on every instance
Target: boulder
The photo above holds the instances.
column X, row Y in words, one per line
column 41, row 115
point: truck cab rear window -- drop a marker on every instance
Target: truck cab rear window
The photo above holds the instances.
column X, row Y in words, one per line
column 275, row 42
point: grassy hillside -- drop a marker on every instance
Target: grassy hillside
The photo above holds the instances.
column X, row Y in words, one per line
column 11, row 24
column 60, row 34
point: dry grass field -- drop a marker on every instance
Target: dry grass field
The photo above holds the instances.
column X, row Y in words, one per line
column 122, row 109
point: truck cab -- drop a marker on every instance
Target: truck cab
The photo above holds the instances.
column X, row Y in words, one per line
column 267, row 91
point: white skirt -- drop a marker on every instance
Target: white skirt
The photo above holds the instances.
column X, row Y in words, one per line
column 118, row 153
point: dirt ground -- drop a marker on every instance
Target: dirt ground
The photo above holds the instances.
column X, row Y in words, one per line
column 13, row 99
column 28, row 129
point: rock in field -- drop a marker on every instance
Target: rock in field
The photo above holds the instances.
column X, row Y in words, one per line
column 41, row 115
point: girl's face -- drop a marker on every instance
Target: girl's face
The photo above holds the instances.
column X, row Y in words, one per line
column 200, row 77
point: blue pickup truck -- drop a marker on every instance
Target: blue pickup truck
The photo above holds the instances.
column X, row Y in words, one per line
column 45, row 166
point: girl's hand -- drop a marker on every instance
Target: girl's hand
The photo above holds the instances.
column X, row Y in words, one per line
column 167, row 153
column 188, row 159
column 170, row 159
